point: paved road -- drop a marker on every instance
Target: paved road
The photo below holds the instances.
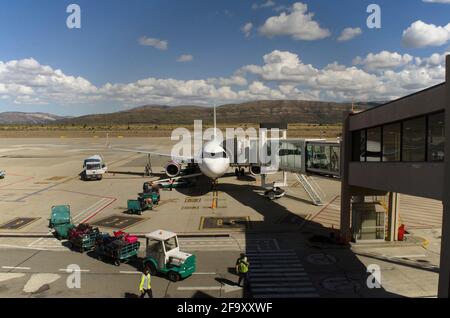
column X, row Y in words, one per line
column 40, row 269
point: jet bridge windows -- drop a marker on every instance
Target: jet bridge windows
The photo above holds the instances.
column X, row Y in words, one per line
column 419, row 139
column 323, row 158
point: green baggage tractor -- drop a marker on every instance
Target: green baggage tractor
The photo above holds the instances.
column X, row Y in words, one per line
column 163, row 256
column 61, row 221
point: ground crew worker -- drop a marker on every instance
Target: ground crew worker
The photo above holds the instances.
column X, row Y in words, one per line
column 242, row 267
column 144, row 286
column 146, row 188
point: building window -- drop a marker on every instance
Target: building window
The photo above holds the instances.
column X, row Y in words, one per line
column 414, row 139
column 359, row 145
column 436, row 137
column 392, row 142
column 335, row 158
column 374, row 144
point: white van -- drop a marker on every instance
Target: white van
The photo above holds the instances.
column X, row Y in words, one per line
column 93, row 168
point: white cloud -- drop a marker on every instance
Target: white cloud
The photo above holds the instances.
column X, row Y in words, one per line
column 281, row 66
column 435, row 59
column 383, row 60
column 29, row 81
column 421, row 34
column 185, row 58
column 231, row 81
column 247, row 28
column 298, row 24
column 349, row 34
column 281, row 75
column 156, row 43
column 267, row 4
column 397, row 76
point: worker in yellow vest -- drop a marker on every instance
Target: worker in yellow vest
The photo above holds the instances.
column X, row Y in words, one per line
column 242, row 267
column 145, row 286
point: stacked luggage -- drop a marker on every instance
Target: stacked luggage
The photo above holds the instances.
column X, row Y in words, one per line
column 83, row 236
column 121, row 247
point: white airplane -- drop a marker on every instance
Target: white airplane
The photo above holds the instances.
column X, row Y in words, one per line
column 212, row 160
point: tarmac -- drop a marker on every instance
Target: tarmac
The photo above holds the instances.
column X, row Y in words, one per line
column 276, row 235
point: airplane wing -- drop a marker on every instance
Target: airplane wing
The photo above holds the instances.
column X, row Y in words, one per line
column 179, row 159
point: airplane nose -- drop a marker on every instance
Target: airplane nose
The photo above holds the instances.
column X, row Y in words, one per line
column 216, row 167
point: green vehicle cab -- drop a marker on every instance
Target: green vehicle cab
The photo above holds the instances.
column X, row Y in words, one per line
column 61, row 221
column 163, row 256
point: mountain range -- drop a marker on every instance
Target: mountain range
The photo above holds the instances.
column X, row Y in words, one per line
column 290, row 111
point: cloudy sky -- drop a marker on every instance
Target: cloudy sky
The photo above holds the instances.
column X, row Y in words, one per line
column 175, row 52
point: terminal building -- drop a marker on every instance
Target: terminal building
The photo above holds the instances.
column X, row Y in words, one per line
column 397, row 148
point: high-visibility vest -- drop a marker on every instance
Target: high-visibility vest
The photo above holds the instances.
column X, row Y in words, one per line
column 142, row 284
column 243, row 266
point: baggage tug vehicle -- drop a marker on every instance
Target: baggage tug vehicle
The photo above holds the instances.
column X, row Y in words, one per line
column 163, row 255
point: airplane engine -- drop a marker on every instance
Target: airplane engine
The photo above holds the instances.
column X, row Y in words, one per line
column 255, row 170
column 173, row 169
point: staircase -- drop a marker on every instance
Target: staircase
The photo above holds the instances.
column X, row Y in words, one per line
column 311, row 188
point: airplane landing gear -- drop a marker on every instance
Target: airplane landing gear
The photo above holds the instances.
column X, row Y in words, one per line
column 214, row 185
column 239, row 172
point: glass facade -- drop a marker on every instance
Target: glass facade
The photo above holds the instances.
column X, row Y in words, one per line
column 323, row 158
column 392, row 141
column 414, row 140
column 436, row 137
column 373, row 152
column 290, row 155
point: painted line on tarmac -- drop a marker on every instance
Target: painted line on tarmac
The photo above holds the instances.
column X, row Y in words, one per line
column 99, row 210
column 39, row 239
column 16, row 267
column 23, row 247
column 73, row 270
column 87, row 210
column 129, row 272
column 205, row 273
column 201, row 288
column 15, row 182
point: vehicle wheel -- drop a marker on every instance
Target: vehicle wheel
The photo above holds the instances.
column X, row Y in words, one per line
column 271, row 196
column 174, row 277
column 117, row 262
column 99, row 257
column 236, row 172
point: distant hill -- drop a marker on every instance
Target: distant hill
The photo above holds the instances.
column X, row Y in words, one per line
column 28, row 118
column 290, row 111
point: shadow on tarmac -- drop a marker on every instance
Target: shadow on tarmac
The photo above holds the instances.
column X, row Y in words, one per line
column 349, row 267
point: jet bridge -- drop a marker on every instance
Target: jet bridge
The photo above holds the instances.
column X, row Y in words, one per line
column 302, row 157
column 310, row 156
column 305, row 156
